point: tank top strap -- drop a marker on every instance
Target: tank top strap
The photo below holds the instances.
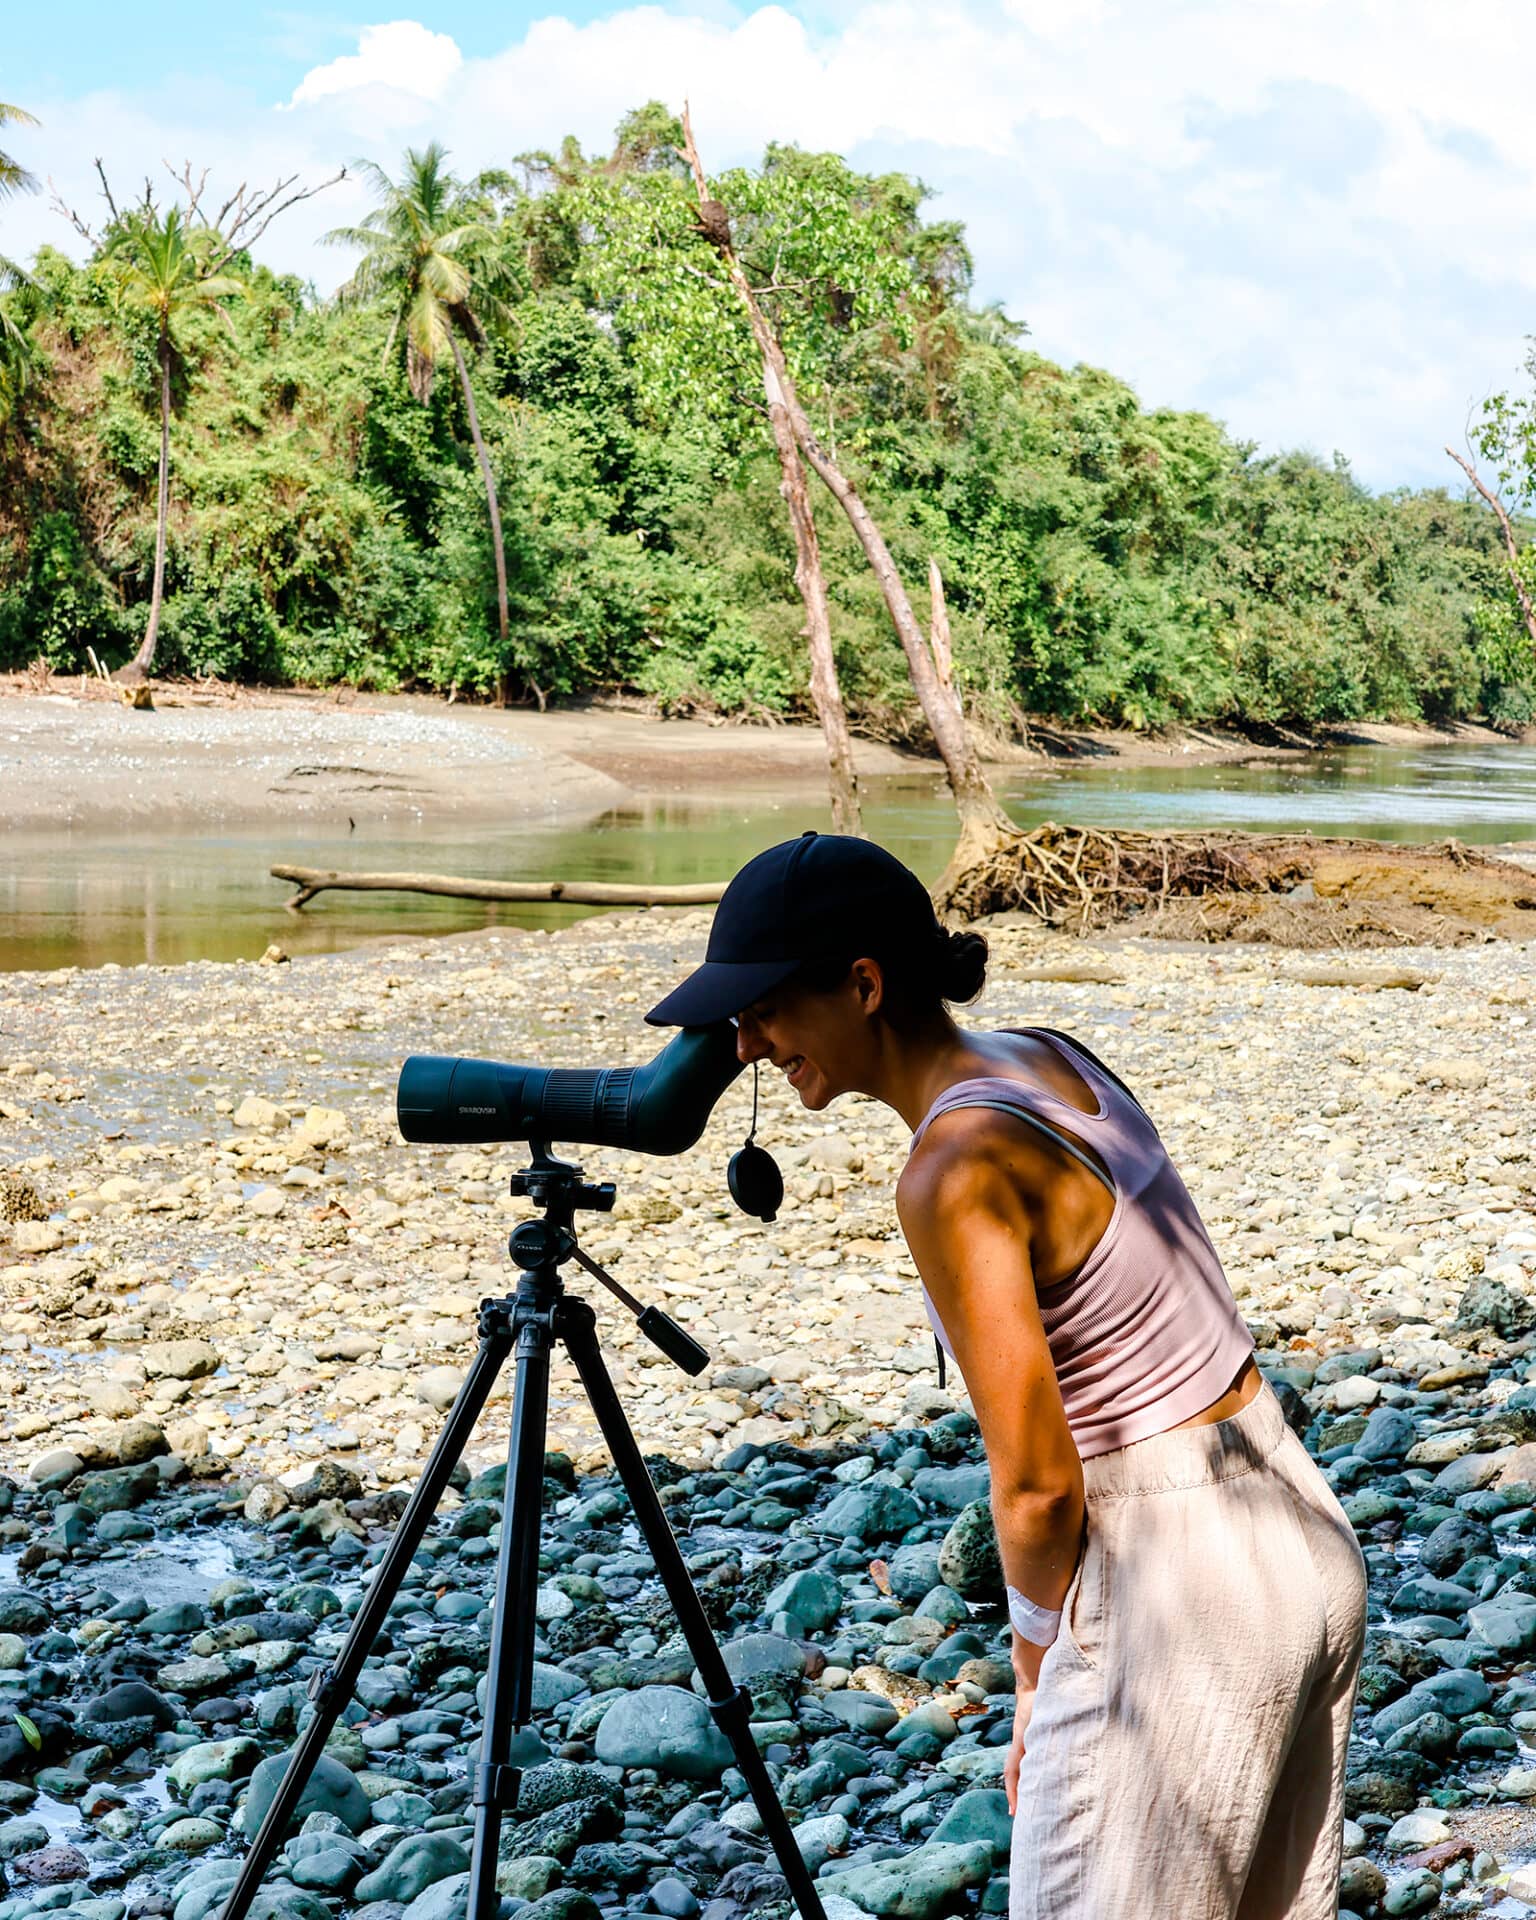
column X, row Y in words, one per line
column 1075, row 1046
column 1008, row 1096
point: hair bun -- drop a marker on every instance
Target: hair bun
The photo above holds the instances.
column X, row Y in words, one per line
column 962, row 966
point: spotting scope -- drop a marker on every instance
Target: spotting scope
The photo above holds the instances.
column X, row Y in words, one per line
column 658, row 1108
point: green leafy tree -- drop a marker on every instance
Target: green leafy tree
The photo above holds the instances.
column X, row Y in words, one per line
column 1505, row 436
column 1102, row 562
column 425, row 246
column 161, row 266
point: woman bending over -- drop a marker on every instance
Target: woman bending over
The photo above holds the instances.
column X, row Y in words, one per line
column 1187, row 1597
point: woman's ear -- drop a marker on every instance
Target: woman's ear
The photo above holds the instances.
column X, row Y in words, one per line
column 868, row 978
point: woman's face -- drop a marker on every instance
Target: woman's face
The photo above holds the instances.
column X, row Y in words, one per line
column 818, row 1038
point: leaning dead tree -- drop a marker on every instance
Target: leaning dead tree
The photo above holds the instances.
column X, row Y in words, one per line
column 572, row 893
column 810, row 578
column 826, row 693
column 984, row 826
column 1511, row 545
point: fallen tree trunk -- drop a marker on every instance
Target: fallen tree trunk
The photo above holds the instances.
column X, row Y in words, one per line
column 574, row 893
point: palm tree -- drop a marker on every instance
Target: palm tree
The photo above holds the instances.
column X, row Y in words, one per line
column 421, row 245
column 14, row 177
column 16, row 350
column 162, row 270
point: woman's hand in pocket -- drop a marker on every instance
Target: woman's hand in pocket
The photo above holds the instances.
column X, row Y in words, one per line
column 1026, row 1672
column 1024, row 1707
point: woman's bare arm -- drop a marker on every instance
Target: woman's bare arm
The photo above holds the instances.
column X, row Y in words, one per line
column 968, row 1226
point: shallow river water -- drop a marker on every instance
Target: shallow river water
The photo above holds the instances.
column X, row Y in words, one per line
column 87, row 899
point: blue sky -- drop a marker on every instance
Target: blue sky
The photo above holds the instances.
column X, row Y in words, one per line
column 1312, row 218
column 262, row 49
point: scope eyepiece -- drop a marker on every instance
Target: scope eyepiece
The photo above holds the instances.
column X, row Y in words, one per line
column 661, row 1107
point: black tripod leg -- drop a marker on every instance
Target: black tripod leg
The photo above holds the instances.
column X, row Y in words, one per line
column 331, row 1689
column 509, row 1676
column 731, row 1705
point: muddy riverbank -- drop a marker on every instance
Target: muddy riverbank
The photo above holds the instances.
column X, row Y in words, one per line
column 75, row 757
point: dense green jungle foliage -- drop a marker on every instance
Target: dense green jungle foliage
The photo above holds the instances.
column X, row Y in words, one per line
column 328, row 524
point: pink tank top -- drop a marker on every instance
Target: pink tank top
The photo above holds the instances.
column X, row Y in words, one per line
column 1146, row 1333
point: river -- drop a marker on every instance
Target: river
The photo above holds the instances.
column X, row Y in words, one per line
column 88, row 899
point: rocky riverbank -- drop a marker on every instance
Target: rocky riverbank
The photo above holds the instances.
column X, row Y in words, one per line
column 235, row 1306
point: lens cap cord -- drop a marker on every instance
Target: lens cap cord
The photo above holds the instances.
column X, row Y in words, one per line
column 753, row 1176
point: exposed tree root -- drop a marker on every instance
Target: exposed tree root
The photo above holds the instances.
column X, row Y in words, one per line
column 1289, row 889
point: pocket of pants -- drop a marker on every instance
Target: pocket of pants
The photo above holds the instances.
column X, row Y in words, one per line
column 1081, row 1635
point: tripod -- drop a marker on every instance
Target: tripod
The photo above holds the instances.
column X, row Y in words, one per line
column 527, row 1325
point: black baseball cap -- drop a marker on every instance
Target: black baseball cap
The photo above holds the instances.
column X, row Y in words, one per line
column 824, row 896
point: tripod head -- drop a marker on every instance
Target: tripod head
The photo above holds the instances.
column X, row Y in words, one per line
column 557, row 1185
column 539, row 1248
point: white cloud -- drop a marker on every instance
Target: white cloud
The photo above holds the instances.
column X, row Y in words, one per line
column 1309, row 216
column 402, row 55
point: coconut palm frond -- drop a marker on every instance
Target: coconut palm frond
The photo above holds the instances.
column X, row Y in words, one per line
column 14, row 177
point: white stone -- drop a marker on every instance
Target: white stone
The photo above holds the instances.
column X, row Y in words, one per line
column 326, row 1126
column 439, row 1387
column 188, row 1439
column 265, row 1502
column 1421, row 1828
column 37, row 1236
column 119, row 1187
column 1356, row 1391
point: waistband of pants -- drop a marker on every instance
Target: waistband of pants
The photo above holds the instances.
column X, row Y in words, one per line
column 1190, row 1456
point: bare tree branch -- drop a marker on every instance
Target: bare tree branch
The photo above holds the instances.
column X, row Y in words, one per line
column 938, row 628
column 63, row 209
column 66, row 212
column 253, row 216
column 698, row 273
column 184, row 180
column 106, row 191
column 1511, row 544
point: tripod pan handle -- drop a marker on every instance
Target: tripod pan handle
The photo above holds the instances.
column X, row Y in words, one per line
column 663, row 1332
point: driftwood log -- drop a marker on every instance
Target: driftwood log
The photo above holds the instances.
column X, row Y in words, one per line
column 575, row 893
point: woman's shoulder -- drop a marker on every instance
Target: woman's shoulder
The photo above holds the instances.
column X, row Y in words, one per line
column 966, row 1162
column 968, row 1155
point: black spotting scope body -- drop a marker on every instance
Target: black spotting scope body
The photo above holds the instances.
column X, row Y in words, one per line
column 661, row 1107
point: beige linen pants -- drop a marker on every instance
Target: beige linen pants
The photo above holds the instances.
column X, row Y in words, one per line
column 1185, row 1760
